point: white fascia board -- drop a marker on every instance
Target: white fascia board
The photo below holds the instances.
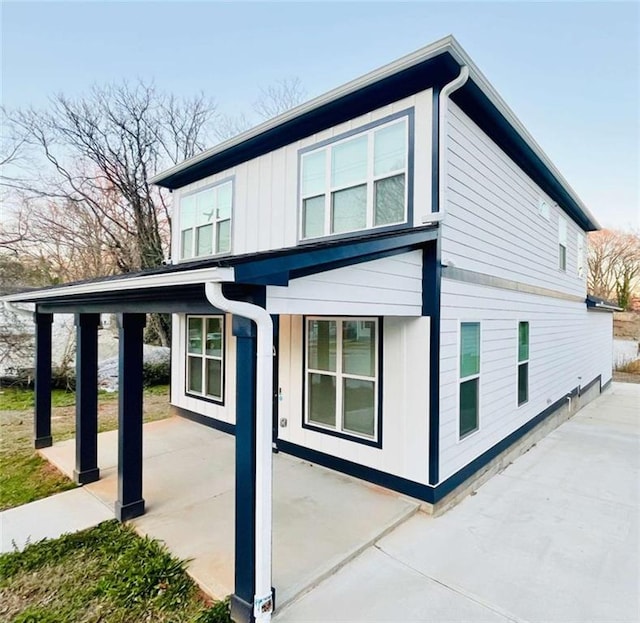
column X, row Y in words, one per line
column 187, row 277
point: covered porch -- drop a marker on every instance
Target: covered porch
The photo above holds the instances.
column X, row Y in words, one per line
column 321, row 519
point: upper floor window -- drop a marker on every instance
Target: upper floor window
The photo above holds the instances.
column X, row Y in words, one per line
column 205, row 221
column 356, row 183
column 562, row 243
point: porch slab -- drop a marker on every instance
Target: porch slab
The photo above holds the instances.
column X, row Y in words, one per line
column 321, row 519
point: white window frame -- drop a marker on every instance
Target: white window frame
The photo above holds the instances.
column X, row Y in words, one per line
column 339, row 375
column 463, row 379
column 370, row 180
column 204, row 357
column 520, row 362
column 562, row 244
column 215, row 222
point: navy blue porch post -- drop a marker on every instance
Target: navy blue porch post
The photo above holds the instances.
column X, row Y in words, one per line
column 42, row 417
column 130, row 503
column 244, row 331
column 86, row 469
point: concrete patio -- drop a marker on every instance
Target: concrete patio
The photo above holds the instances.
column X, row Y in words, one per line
column 321, row 519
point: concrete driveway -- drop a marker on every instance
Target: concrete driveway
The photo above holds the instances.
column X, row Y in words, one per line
column 553, row 538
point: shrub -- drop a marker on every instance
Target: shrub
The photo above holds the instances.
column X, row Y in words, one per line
column 156, row 373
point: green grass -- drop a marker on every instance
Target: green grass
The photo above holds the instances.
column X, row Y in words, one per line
column 106, row 574
column 24, row 475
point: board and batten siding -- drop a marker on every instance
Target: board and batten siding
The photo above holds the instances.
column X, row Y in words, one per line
column 390, row 286
column 179, row 397
column 405, row 399
column 265, row 194
column 493, row 223
column 569, row 346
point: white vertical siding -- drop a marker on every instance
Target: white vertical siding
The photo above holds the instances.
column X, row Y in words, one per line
column 493, row 224
column 265, row 207
column 390, row 286
column 568, row 347
column 179, row 397
column 405, row 406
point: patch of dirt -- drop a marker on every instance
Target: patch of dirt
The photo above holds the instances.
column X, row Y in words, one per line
column 626, row 377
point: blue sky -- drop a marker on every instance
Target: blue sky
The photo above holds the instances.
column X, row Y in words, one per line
column 569, row 70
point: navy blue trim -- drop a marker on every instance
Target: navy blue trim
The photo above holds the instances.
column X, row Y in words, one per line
column 435, row 150
column 606, row 385
column 130, row 502
column 223, row 387
column 86, row 466
column 205, row 420
column 431, row 305
column 428, row 493
column 396, row 483
column 595, row 303
column 42, row 390
column 373, row 443
column 275, row 319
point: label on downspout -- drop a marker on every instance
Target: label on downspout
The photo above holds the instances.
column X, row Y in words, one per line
column 263, row 605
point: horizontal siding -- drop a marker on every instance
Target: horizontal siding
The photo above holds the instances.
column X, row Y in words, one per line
column 405, row 405
column 390, row 286
column 492, row 223
column 265, row 206
column 569, row 347
column 179, row 397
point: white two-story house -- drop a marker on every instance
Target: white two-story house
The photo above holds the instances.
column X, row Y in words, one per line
column 407, row 265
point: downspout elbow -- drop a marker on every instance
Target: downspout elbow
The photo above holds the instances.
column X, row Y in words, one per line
column 12, row 308
column 443, row 133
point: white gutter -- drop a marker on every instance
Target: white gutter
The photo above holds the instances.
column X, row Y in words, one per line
column 443, row 133
column 186, row 277
column 262, row 603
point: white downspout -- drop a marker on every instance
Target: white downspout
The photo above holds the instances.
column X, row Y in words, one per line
column 443, row 133
column 263, row 604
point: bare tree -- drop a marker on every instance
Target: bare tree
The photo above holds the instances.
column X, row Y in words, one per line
column 614, row 265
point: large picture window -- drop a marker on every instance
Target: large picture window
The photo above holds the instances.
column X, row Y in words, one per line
column 523, row 362
column 341, row 375
column 469, row 389
column 205, row 356
column 356, row 183
column 205, row 221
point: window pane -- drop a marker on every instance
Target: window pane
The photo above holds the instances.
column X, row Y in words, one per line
column 313, row 173
column 469, row 348
column 195, row 335
column 523, row 341
column 195, row 374
column 321, row 345
column 313, row 217
column 224, row 201
column 349, row 162
column 214, row 337
column 358, row 347
column 523, row 383
column 349, row 209
column 205, row 206
column 214, row 378
column 322, row 399
column 468, row 407
column 359, row 402
column 562, row 257
column 223, row 243
column 204, row 240
column 389, row 200
column 187, row 212
column 389, row 149
column 186, row 243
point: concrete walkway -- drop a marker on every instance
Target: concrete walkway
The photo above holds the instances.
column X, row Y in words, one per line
column 553, row 538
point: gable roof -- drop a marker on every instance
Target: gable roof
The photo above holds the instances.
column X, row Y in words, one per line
column 432, row 66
